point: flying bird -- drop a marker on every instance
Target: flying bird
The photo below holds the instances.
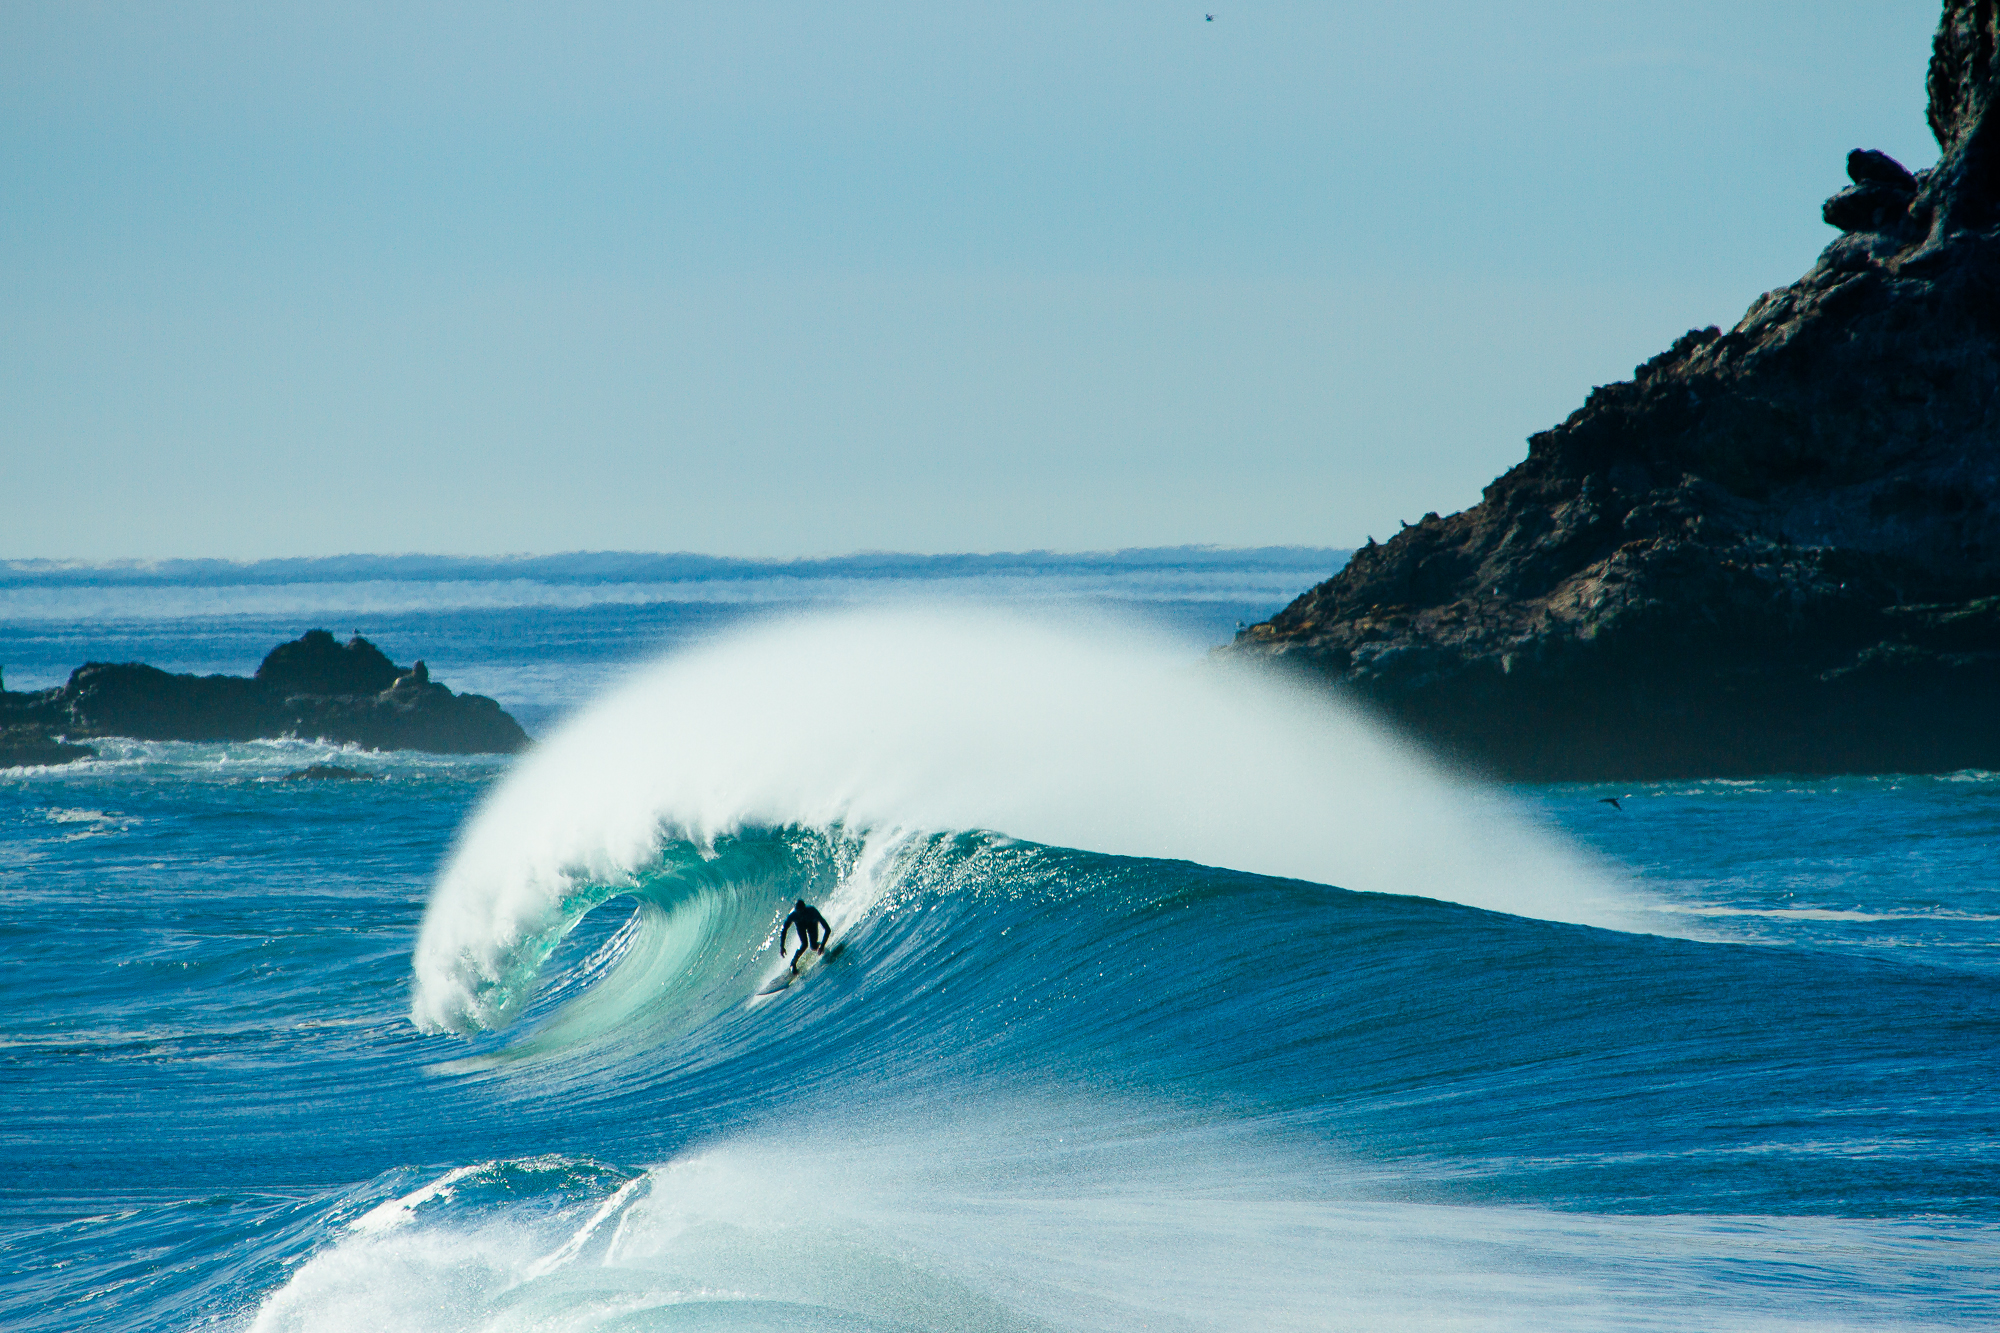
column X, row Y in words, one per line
column 1611, row 801
column 1209, row 17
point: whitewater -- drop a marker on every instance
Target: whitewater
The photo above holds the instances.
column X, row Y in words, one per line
column 1165, row 996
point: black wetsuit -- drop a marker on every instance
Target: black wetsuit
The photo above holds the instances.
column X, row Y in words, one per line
column 813, row 930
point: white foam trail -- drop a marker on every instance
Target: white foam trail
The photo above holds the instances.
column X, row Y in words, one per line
column 568, row 1251
column 1825, row 914
column 395, row 1212
column 958, row 719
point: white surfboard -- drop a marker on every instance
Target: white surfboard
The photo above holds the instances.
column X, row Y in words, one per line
column 791, row 976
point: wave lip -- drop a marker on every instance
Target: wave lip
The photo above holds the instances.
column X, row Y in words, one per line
column 944, row 719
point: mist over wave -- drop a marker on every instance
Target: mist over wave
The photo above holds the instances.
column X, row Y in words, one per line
column 886, row 721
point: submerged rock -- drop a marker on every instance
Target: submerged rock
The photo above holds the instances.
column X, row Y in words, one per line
column 312, row 687
column 1773, row 549
column 327, row 773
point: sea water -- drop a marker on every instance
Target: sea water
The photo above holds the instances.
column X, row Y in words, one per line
column 1168, row 996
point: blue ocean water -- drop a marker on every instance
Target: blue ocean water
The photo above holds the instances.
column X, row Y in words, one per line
column 1161, row 998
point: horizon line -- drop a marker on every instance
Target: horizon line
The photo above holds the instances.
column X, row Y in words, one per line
column 632, row 566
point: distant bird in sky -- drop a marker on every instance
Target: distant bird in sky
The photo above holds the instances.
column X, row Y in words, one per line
column 1209, row 17
column 1611, row 801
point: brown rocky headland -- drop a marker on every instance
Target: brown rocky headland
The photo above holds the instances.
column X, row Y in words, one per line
column 1773, row 549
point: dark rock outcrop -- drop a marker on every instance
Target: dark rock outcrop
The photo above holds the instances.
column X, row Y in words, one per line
column 318, row 663
column 1773, row 549
column 33, row 747
column 313, row 687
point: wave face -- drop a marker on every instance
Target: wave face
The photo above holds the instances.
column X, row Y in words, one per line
column 1039, row 1087
column 1160, row 998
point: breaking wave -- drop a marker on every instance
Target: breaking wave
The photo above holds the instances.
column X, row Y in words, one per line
column 866, row 728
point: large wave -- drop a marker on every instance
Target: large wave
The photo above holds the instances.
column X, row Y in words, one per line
column 868, row 726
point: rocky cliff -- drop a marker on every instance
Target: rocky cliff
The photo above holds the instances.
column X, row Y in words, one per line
column 1775, row 548
column 314, row 687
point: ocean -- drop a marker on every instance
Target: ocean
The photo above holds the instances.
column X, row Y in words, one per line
column 1162, row 995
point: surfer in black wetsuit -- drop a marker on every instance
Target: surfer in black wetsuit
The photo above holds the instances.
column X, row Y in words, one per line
column 813, row 930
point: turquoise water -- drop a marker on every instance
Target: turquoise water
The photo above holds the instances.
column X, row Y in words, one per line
column 1113, row 1039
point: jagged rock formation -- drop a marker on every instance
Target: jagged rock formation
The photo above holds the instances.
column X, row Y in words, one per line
column 1773, row 549
column 313, row 687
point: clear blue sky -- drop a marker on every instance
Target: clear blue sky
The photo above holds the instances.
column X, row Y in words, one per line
column 772, row 279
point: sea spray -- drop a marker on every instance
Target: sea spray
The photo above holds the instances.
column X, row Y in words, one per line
column 1032, row 1216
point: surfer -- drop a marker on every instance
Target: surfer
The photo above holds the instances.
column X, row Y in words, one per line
column 813, row 930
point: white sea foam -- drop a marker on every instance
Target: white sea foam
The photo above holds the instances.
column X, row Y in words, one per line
column 202, row 761
column 1081, row 1215
column 1103, row 739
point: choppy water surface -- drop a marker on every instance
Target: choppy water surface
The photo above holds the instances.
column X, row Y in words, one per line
column 1165, row 999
